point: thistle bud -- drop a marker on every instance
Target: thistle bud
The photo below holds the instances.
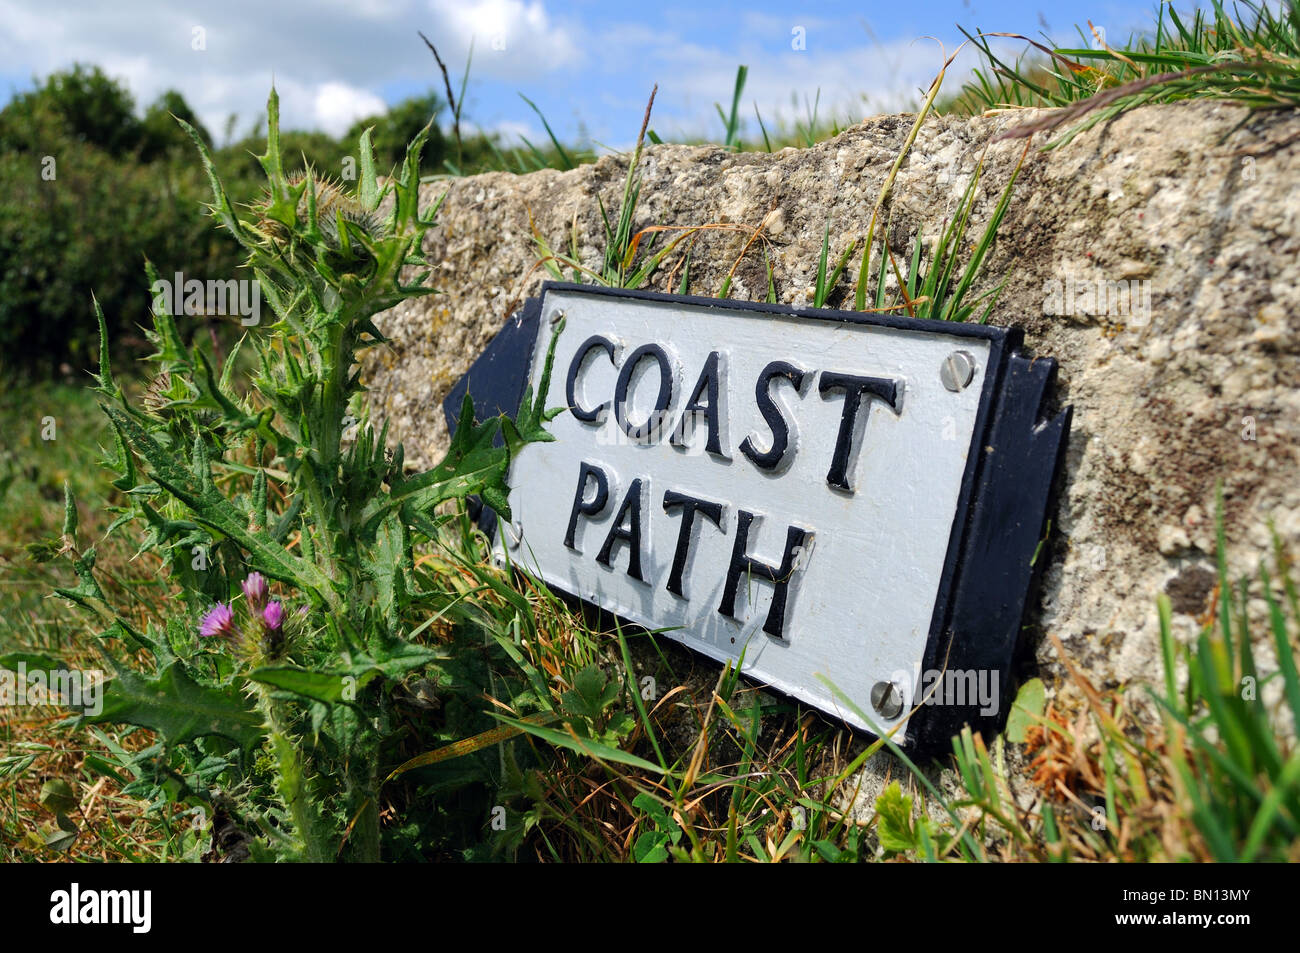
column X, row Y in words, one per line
column 254, row 589
column 219, row 621
column 273, row 616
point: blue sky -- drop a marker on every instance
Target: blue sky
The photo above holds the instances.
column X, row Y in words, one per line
column 588, row 65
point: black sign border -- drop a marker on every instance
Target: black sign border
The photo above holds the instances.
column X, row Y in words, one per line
column 1007, row 494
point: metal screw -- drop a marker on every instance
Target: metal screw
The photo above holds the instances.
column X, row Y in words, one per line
column 957, row 370
column 887, row 700
column 558, row 316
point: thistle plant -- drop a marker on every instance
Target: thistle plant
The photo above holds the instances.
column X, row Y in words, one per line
column 287, row 523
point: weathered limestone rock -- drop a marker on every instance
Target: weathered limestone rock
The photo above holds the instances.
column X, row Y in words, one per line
column 1204, row 388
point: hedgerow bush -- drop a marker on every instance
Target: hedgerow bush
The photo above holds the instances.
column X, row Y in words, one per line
column 90, row 192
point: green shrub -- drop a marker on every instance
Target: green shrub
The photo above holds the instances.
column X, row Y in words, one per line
column 82, row 105
column 289, row 525
column 90, row 192
column 88, row 231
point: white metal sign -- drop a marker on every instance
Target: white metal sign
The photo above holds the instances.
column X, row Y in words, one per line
column 770, row 487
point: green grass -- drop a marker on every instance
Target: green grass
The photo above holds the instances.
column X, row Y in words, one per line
column 705, row 768
column 33, row 471
column 1246, row 53
column 1218, row 779
column 34, row 751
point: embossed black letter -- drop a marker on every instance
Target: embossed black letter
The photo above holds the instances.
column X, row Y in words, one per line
column 769, row 459
column 584, row 507
column 709, row 385
column 742, row 563
column 596, row 414
column 629, row 512
column 646, row 430
column 854, row 388
column 689, row 505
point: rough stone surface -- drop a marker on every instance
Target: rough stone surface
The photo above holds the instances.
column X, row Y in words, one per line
column 1207, row 389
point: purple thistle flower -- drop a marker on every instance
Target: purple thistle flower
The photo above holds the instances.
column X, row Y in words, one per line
column 273, row 616
column 219, row 621
column 254, row 589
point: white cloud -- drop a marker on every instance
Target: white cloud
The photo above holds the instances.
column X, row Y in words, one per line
column 854, row 82
column 330, row 59
column 333, row 61
column 511, row 38
column 338, row 106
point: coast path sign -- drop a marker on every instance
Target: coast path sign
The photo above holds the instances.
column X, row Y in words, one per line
column 847, row 505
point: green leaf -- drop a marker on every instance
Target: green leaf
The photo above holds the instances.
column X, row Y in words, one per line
column 389, row 567
column 565, row 158
column 59, row 839
column 894, row 820
column 471, row 463
column 104, row 378
column 124, row 462
column 87, row 588
column 369, row 184
column 165, row 336
column 667, row 828
column 394, row 658
column 324, row 687
column 458, row 749
column 270, row 162
column 584, row 746
column 178, row 708
column 32, row 660
column 57, row 797
column 652, row 807
column 527, row 427
column 213, row 511
column 221, row 208
column 121, row 629
column 13, row 765
column 1285, row 653
column 819, row 296
column 592, row 693
column 649, row 848
column 212, row 397
column 1027, row 707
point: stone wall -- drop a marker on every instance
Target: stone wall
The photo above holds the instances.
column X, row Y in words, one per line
column 1203, row 387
